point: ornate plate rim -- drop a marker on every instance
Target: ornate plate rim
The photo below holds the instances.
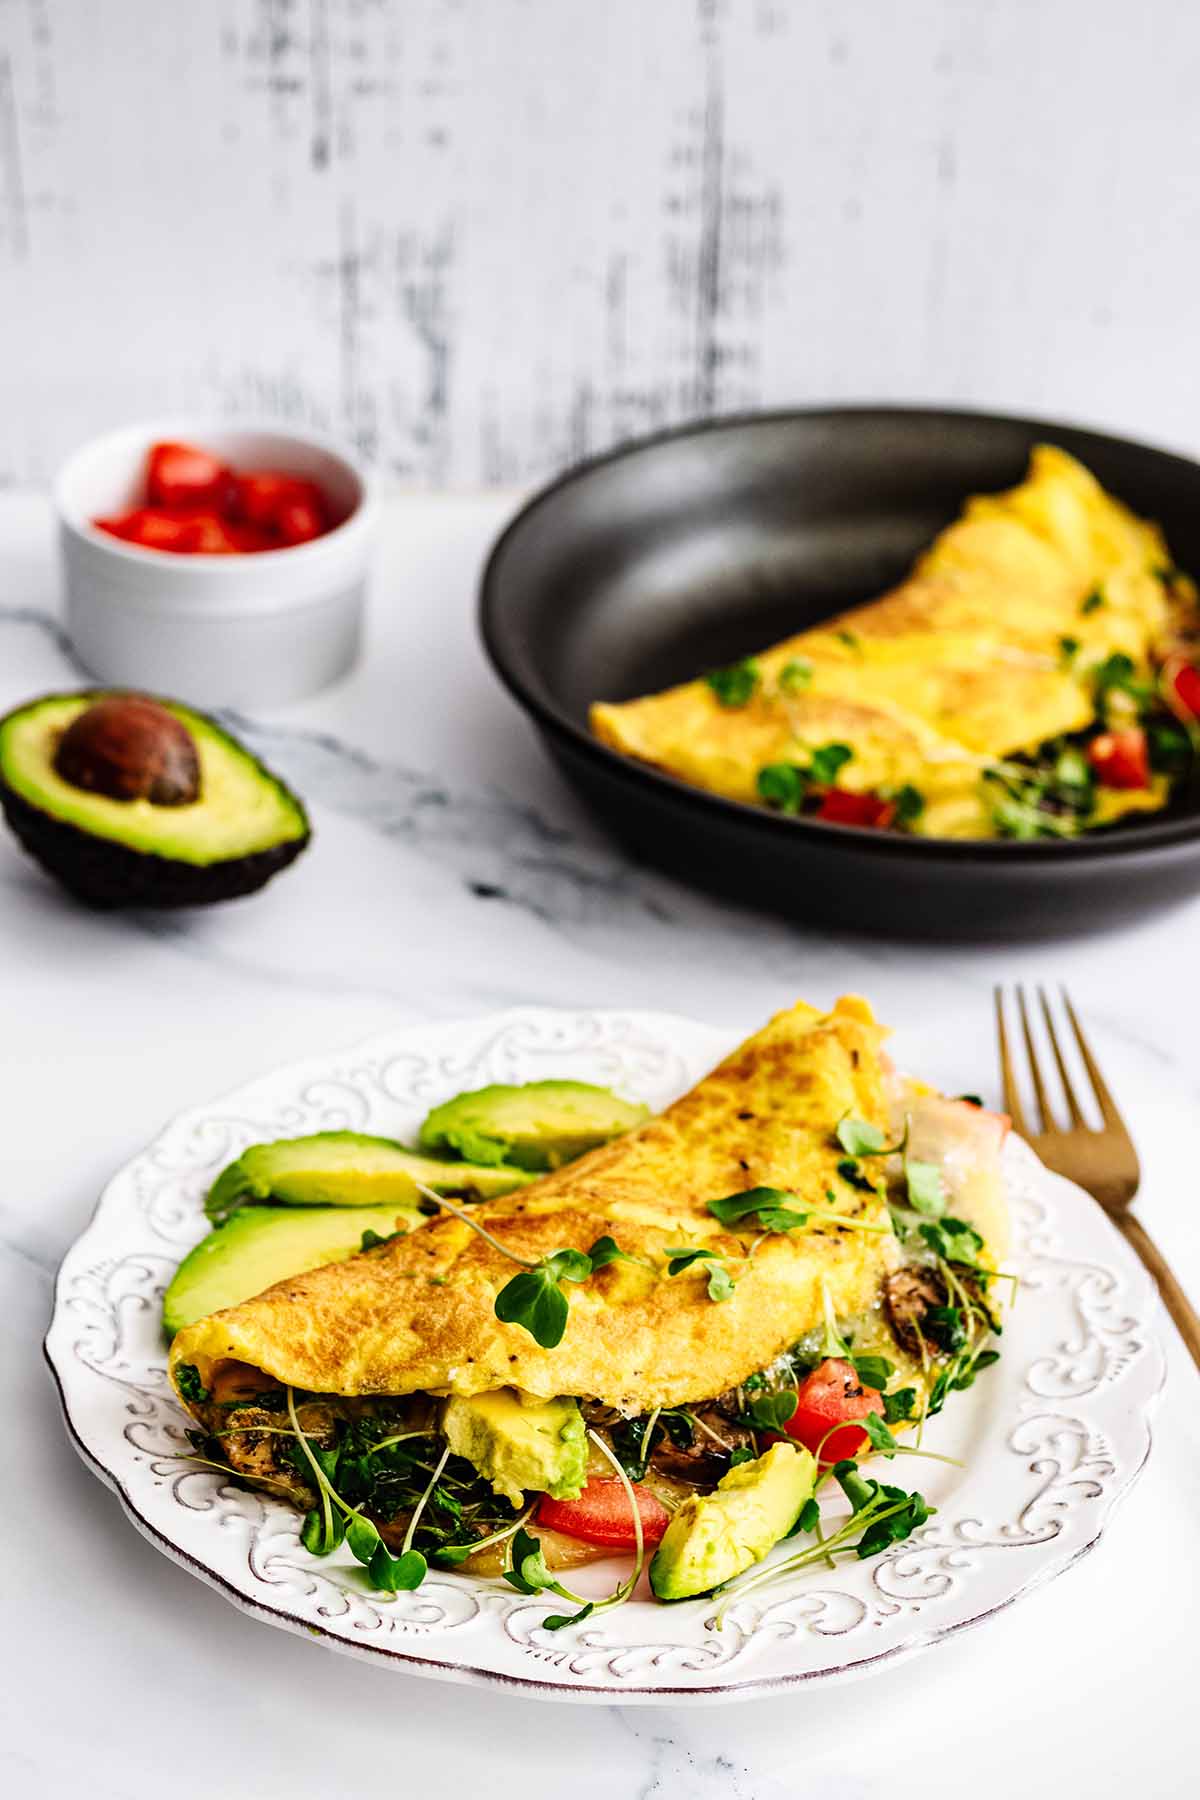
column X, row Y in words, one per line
column 472, row 1674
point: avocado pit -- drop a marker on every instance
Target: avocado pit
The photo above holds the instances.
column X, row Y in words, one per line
column 128, row 747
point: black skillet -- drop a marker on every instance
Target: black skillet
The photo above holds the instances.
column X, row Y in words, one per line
column 689, row 550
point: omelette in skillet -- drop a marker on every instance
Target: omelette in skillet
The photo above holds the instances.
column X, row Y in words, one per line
column 1035, row 676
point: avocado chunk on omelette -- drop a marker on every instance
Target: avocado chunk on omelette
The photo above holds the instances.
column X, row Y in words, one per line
column 980, row 698
column 724, row 1269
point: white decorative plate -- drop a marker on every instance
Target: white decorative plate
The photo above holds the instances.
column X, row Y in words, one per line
column 1050, row 1438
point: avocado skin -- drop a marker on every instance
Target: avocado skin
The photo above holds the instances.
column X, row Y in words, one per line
column 107, row 875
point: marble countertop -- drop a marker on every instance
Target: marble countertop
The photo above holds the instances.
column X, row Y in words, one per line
column 452, row 873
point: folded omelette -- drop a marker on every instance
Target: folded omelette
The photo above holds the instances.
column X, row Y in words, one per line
column 1034, row 627
column 759, row 1239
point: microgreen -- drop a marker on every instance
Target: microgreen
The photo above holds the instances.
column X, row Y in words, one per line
column 924, row 1184
column 769, row 1207
column 889, row 1514
column 684, row 1257
column 1118, row 674
column 824, row 763
column 953, row 1240
column 782, row 785
column 607, row 1250
column 909, row 802
column 529, row 1575
column 877, row 1432
column 535, row 1299
column 898, row 1407
column 735, row 685
column 858, row 1137
column 371, row 1240
column 795, row 676
column 881, row 1516
column 771, row 1412
column 873, row 1371
column 190, row 1386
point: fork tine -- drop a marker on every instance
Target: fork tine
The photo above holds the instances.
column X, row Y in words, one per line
column 1108, row 1106
column 1077, row 1118
column 1012, row 1099
column 1039, row 1086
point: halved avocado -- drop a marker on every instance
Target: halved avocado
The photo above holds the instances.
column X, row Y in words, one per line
column 541, row 1125
column 130, row 801
column 260, row 1245
column 347, row 1168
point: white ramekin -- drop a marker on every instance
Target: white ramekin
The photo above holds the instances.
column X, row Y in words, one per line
column 254, row 630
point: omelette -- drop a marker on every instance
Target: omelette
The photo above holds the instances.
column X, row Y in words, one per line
column 1032, row 677
column 694, row 1315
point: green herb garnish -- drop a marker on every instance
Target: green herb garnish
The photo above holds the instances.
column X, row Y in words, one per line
column 735, row 685
column 720, row 1282
column 909, row 802
column 824, row 763
column 190, row 1386
column 795, row 675
column 776, row 1210
column 783, row 786
column 535, row 1299
column 924, row 1183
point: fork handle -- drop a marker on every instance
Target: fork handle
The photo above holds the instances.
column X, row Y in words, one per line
column 1173, row 1296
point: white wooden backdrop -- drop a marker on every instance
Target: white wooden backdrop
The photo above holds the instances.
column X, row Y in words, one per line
column 484, row 237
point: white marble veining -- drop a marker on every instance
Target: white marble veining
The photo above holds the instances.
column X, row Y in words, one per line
column 451, row 873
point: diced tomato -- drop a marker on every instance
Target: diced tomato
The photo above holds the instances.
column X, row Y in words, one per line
column 845, row 808
column 208, row 534
column 1187, row 688
column 1120, row 758
column 602, row 1514
column 299, row 521
column 831, row 1393
column 199, row 507
column 180, row 475
column 150, row 527
column 261, row 493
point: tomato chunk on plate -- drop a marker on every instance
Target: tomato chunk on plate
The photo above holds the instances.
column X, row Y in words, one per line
column 179, row 475
column 602, row 1514
column 845, row 808
column 831, row 1393
column 1187, row 689
column 1120, row 758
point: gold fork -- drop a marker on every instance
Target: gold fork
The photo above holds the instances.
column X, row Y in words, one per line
column 1104, row 1162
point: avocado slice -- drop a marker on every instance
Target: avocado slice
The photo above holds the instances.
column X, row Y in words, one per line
column 714, row 1537
column 348, row 1168
column 538, row 1126
column 260, row 1245
column 518, row 1442
column 113, row 840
